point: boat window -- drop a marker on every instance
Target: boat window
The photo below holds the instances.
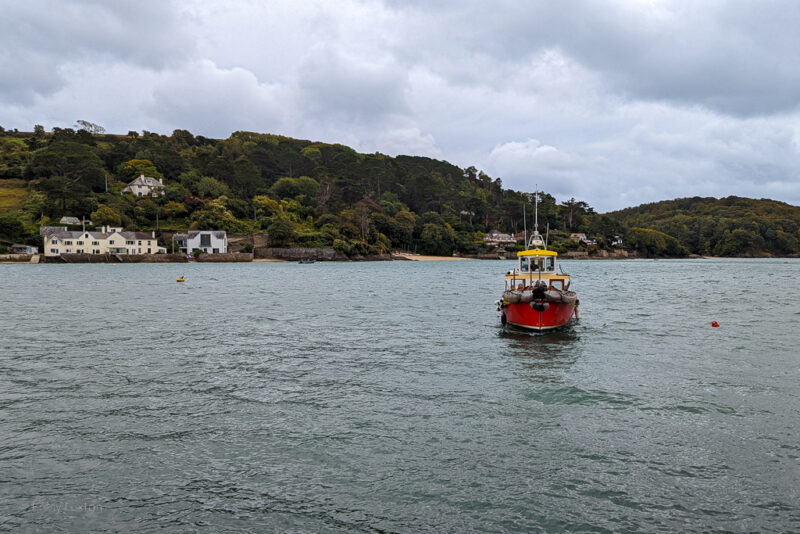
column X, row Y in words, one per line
column 523, row 264
column 557, row 284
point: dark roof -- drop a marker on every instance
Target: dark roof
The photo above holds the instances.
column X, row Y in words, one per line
column 146, row 180
column 191, row 234
column 45, row 230
column 77, row 234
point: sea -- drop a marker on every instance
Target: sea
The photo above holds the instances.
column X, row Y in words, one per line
column 386, row 397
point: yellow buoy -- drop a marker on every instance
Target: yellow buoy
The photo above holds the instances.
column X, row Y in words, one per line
column 179, row 279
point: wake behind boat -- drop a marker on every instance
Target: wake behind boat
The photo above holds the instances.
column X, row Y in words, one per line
column 537, row 297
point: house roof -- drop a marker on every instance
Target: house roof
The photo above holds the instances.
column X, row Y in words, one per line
column 47, row 230
column 77, row 234
column 137, row 235
column 219, row 234
column 149, row 181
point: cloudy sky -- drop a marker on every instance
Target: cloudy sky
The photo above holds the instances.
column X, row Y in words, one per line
column 616, row 102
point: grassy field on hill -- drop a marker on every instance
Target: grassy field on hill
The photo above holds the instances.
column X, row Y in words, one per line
column 12, row 193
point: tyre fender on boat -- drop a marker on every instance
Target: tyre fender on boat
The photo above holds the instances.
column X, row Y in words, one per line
column 552, row 295
column 569, row 297
column 539, row 305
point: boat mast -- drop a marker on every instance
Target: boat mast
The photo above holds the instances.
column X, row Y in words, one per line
column 525, row 220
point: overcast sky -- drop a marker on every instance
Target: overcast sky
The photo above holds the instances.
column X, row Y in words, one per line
column 613, row 102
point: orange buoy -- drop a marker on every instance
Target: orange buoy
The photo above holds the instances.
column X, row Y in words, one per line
column 715, row 324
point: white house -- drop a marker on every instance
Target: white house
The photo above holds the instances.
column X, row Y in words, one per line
column 495, row 237
column 145, row 186
column 107, row 241
column 209, row 241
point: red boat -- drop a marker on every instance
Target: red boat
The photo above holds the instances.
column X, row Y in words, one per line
column 537, row 297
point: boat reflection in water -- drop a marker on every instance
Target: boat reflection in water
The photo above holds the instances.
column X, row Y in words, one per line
column 544, row 358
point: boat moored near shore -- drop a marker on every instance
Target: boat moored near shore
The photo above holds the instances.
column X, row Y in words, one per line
column 537, row 296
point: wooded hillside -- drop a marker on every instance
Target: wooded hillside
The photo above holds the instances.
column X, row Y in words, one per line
column 299, row 192
column 310, row 194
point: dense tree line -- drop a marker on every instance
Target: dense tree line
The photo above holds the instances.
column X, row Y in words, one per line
column 299, row 192
column 731, row 226
column 304, row 193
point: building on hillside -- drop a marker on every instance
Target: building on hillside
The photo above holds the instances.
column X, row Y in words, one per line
column 617, row 242
column 145, row 186
column 578, row 237
column 495, row 237
column 18, row 248
column 70, row 220
column 209, row 241
column 108, row 240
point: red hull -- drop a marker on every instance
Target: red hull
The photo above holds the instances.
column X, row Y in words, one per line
column 523, row 316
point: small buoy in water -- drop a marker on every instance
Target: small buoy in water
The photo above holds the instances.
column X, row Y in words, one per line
column 715, row 324
column 179, row 279
column 786, row 262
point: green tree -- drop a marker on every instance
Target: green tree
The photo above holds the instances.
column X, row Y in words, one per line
column 77, row 163
column 173, row 210
column 210, row 187
column 281, row 232
column 106, row 216
column 131, row 169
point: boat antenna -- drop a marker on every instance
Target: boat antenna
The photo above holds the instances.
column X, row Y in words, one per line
column 547, row 234
column 536, row 211
column 525, row 220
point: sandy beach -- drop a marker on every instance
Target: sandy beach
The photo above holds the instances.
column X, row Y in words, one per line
column 418, row 257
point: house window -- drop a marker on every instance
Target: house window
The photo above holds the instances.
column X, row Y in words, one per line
column 216, row 251
column 130, row 243
column 148, row 251
column 95, row 251
column 110, row 241
column 54, row 241
column 67, row 242
column 140, row 250
column 54, row 250
column 140, row 243
column 79, row 243
column 205, row 240
column 69, row 251
column 80, row 251
column 139, row 193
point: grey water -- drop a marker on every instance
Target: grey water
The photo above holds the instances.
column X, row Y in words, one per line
column 385, row 397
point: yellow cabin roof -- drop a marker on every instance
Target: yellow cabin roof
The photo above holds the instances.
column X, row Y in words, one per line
column 537, row 252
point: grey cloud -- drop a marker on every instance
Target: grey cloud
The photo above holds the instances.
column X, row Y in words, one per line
column 350, row 89
column 212, row 101
column 733, row 57
column 41, row 38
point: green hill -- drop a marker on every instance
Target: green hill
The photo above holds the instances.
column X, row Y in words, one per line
column 299, row 192
column 731, row 226
column 311, row 194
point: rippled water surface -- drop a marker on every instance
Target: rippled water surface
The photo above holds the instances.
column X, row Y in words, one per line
column 385, row 397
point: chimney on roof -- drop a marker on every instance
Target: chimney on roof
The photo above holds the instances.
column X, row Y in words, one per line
column 153, row 234
column 161, row 181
